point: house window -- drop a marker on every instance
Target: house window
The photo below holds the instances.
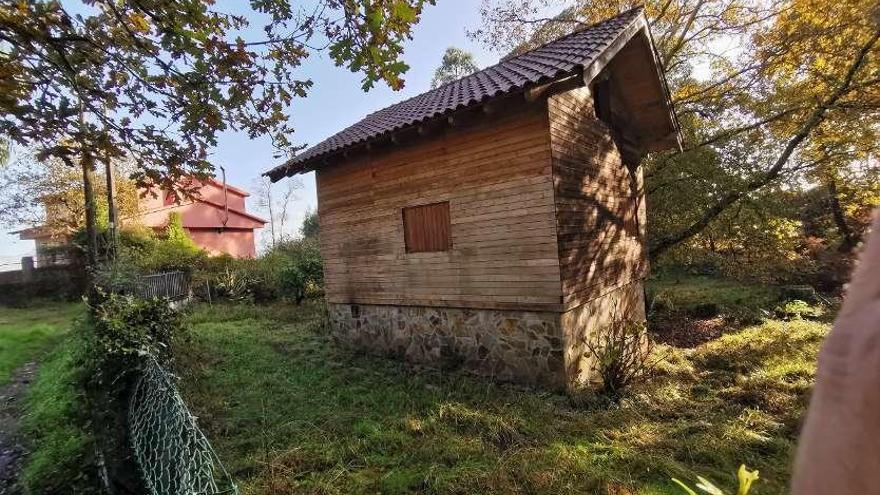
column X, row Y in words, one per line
column 426, row 228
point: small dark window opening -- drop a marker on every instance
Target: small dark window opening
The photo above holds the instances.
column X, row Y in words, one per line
column 602, row 101
column 426, row 228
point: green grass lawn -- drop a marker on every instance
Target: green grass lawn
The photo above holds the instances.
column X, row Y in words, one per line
column 686, row 292
column 57, row 423
column 289, row 412
column 27, row 333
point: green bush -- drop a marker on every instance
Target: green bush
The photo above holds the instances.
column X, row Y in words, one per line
column 311, row 226
column 133, row 247
column 243, row 280
column 127, row 327
column 292, row 269
column 174, row 250
column 262, row 275
column 236, row 284
column 78, row 404
column 206, row 272
column 124, row 331
column 175, row 233
column 140, row 251
column 302, row 272
column 797, row 309
column 169, row 256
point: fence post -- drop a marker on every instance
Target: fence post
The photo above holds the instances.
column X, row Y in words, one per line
column 27, row 268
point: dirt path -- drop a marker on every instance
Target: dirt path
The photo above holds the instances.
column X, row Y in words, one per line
column 12, row 450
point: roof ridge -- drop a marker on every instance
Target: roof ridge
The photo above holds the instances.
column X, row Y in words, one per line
column 542, row 45
column 579, row 30
column 504, row 60
column 243, row 213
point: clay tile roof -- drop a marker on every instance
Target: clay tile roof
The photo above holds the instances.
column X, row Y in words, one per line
column 554, row 60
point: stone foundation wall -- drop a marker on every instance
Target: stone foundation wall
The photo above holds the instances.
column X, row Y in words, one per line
column 539, row 348
column 521, row 346
column 580, row 324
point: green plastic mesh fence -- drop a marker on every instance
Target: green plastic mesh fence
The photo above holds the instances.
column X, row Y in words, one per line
column 174, row 455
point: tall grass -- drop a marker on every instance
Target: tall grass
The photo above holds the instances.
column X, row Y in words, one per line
column 291, row 413
column 57, row 425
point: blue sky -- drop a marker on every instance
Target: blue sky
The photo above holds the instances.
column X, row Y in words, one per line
column 335, row 101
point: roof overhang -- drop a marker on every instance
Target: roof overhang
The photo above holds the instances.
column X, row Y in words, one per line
column 662, row 133
column 32, row 233
column 665, row 132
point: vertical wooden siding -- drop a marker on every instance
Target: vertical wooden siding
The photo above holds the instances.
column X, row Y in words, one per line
column 426, row 228
column 600, row 207
column 497, row 180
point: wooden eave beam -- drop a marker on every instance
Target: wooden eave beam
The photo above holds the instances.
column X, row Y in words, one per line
column 636, row 28
column 550, row 88
column 602, row 61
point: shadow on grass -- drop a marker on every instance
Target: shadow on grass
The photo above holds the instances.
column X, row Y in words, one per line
column 289, row 412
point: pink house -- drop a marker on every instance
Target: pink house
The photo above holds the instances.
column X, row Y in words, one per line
column 214, row 216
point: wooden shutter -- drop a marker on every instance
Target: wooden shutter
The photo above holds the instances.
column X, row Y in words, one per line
column 427, row 228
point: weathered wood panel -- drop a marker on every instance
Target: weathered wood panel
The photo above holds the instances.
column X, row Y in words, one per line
column 497, row 179
column 426, row 228
column 600, row 208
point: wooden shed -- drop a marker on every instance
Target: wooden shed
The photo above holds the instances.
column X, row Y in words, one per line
column 498, row 221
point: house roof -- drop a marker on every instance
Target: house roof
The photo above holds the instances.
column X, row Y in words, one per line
column 201, row 214
column 234, row 210
column 37, row 232
column 164, row 209
column 555, row 60
column 229, row 187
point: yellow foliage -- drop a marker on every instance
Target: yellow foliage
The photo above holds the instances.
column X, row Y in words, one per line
column 139, row 22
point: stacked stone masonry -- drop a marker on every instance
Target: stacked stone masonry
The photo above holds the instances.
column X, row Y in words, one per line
column 538, row 348
column 520, row 346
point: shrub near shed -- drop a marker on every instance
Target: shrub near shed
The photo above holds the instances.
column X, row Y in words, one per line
column 293, row 269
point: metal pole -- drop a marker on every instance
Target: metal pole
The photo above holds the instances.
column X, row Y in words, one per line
column 225, row 198
column 271, row 213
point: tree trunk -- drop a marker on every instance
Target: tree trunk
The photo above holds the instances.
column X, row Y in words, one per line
column 113, row 221
column 86, row 164
column 91, row 213
column 850, row 240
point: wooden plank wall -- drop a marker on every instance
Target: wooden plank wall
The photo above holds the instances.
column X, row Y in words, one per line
column 497, row 179
column 600, row 207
